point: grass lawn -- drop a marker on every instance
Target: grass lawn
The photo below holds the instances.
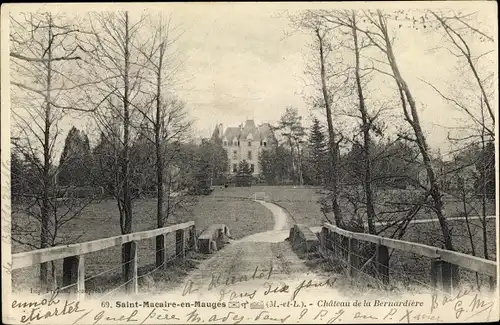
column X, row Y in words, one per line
column 301, row 203
column 243, row 217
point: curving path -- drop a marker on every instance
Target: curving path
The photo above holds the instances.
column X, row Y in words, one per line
column 266, row 253
column 280, row 230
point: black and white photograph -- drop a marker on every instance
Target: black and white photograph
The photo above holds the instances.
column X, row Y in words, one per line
column 249, row 163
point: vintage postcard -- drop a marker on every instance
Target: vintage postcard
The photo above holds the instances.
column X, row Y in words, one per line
column 249, row 163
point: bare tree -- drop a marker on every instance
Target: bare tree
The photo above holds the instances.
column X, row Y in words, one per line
column 456, row 27
column 43, row 50
column 114, row 40
column 321, row 74
column 378, row 33
column 164, row 114
column 346, row 37
column 333, row 144
column 461, row 33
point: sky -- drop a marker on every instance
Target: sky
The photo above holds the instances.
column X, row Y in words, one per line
column 240, row 63
column 244, row 65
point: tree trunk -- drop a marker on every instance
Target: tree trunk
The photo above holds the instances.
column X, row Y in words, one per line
column 45, row 204
column 159, row 164
column 127, row 255
column 299, row 156
column 294, row 178
column 366, row 125
column 333, row 174
column 414, row 122
column 483, row 195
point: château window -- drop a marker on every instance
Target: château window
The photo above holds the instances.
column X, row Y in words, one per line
column 225, row 143
column 265, row 143
column 235, row 154
column 250, row 143
column 235, row 168
column 252, row 168
column 249, row 155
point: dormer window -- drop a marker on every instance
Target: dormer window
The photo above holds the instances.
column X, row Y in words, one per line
column 225, row 143
column 249, row 139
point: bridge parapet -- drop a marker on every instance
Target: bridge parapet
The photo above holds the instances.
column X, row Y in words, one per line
column 349, row 248
column 73, row 255
column 213, row 238
column 303, row 239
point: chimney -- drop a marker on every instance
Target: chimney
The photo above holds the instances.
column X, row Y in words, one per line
column 221, row 129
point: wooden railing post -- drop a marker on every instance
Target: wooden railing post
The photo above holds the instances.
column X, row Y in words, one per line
column 492, row 283
column 322, row 241
column 80, row 283
column 165, row 251
column 345, row 247
column 443, row 275
column 193, row 239
column 352, row 257
column 329, row 245
column 334, row 236
column 382, row 260
column 74, row 272
column 132, row 285
column 434, row 274
column 180, row 243
column 161, row 246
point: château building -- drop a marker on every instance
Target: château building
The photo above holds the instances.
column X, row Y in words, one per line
column 245, row 142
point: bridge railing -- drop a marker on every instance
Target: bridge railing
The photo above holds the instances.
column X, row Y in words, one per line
column 73, row 256
column 362, row 254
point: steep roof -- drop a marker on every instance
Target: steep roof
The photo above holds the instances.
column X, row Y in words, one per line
column 217, row 134
column 249, row 128
column 258, row 132
column 231, row 133
column 265, row 131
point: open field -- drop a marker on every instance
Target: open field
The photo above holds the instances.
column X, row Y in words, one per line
column 101, row 220
column 235, row 208
column 302, row 202
column 243, row 217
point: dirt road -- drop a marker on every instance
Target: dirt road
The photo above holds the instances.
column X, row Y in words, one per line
column 251, row 266
column 280, row 230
